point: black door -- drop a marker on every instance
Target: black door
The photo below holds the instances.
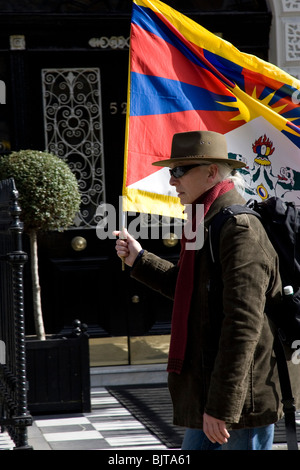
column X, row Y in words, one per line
column 76, row 108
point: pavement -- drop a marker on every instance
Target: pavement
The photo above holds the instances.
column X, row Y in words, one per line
column 109, row 426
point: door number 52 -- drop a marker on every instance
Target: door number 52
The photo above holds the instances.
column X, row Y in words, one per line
column 116, row 108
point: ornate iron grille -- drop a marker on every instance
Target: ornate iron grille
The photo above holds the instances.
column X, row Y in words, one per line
column 73, row 131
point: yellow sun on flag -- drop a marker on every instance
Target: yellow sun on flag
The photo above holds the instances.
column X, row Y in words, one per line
column 251, row 107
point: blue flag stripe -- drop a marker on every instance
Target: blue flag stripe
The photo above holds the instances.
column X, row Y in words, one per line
column 156, row 95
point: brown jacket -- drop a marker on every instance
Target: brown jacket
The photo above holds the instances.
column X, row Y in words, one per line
column 229, row 371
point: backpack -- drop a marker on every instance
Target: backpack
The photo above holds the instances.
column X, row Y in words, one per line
column 281, row 222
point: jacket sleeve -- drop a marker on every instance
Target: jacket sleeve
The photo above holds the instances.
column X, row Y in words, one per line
column 157, row 273
column 249, row 266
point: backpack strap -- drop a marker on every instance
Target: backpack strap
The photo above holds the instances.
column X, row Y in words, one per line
column 287, row 395
column 284, row 378
column 218, row 221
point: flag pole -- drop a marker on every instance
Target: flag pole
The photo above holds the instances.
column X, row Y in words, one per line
column 123, row 225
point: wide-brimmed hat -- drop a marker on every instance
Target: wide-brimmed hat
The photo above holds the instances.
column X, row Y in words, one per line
column 194, row 147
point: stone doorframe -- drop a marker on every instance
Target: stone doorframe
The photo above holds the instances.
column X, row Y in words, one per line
column 284, row 49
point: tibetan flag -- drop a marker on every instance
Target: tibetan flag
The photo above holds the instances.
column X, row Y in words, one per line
column 184, row 78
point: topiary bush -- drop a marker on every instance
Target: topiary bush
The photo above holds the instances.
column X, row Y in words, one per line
column 49, row 198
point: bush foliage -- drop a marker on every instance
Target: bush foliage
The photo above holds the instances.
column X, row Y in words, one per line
column 48, row 190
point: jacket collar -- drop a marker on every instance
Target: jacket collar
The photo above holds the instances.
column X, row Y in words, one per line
column 231, row 197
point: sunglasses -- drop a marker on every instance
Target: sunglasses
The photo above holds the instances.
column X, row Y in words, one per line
column 179, row 171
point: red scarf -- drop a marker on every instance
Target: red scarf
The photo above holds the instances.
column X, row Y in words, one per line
column 185, row 282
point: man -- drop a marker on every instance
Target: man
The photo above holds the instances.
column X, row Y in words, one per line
column 222, row 373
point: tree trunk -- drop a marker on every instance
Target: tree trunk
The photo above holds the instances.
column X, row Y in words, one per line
column 36, row 288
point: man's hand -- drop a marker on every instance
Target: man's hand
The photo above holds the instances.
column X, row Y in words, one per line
column 126, row 246
column 215, row 429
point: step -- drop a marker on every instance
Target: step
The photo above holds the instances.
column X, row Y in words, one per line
column 128, row 375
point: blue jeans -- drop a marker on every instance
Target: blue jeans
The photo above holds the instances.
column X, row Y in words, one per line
column 240, row 439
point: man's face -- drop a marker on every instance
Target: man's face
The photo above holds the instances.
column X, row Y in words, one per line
column 194, row 182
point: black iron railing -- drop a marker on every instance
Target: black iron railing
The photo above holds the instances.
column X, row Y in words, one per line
column 14, row 415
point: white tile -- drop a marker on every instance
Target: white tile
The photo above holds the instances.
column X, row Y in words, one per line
column 104, row 401
column 118, row 425
column 131, row 440
column 6, row 443
column 109, row 412
column 61, row 422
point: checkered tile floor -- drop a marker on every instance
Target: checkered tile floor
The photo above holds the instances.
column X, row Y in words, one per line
column 108, row 426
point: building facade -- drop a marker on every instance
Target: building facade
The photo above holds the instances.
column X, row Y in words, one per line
column 63, row 88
